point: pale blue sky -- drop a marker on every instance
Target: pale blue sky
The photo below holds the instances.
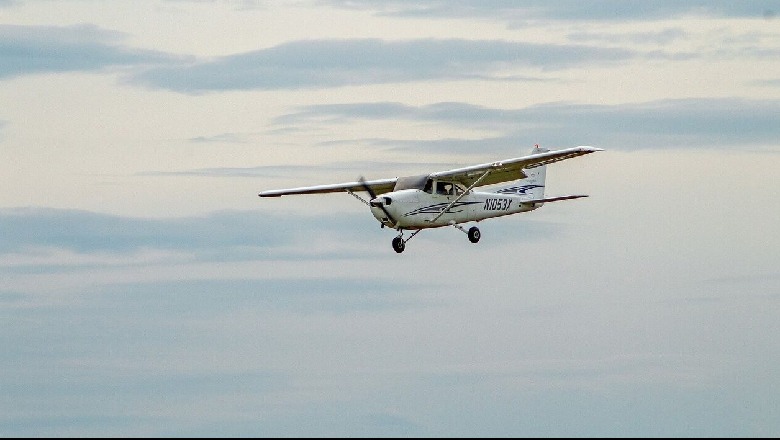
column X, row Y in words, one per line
column 145, row 289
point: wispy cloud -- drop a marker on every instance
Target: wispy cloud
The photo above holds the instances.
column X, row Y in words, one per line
column 222, row 138
column 335, row 63
column 692, row 122
column 271, row 171
column 573, row 10
column 41, row 49
column 767, row 83
column 42, row 241
column 83, row 231
column 302, row 296
column 657, row 38
column 311, row 64
column 51, row 238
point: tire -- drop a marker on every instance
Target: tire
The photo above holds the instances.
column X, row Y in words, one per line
column 398, row 244
column 474, row 234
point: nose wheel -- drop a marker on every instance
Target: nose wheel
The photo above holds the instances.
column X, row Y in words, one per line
column 398, row 244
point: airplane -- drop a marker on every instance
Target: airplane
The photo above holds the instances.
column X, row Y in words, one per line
column 448, row 198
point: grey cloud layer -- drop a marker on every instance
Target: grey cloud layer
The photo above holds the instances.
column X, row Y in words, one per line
column 28, row 50
column 320, row 63
column 86, row 231
column 39, row 49
column 220, row 236
column 333, row 63
column 513, row 11
column 25, row 229
column 33, row 238
column 674, row 123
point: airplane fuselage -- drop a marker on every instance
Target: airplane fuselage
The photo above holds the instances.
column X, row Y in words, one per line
column 417, row 209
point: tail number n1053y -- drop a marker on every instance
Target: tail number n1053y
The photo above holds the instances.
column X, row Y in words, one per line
column 497, row 204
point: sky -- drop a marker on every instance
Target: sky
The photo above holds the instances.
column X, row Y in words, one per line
column 145, row 289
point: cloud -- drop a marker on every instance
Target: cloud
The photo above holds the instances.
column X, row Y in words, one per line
column 42, row 49
column 137, row 355
column 767, row 83
column 386, row 168
column 662, row 37
column 569, row 10
column 451, row 112
column 222, row 138
column 299, row 295
column 335, row 63
column 44, row 237
column 39, row 240
column 697, row 123
column 83, row 231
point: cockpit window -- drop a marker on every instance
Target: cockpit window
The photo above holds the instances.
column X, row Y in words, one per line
column 445, row 188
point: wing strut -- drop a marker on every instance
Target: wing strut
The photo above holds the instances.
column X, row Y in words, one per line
column 358, row 197
column 457, row 199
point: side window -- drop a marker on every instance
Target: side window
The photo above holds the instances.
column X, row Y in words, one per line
column 428, row 186
column 445, row 188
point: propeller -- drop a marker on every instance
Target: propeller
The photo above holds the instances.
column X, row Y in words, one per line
column 371, row 193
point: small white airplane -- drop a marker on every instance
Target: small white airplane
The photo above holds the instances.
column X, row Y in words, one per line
column 447, row 198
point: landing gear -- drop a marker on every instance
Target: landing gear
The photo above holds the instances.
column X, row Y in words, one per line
column 474, row 234
column 398, row 244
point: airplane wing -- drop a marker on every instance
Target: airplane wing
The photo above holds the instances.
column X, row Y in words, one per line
column 510, row 169
column 377, row 186
column 501, row 171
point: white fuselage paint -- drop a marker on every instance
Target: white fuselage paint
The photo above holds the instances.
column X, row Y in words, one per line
column 417, row 209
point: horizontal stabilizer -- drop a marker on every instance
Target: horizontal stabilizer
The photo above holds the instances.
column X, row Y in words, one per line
column 554, row 199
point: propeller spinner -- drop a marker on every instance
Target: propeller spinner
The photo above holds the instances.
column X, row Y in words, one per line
column 375, row 202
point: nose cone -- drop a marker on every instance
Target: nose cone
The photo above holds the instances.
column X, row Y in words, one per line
column 381, row 211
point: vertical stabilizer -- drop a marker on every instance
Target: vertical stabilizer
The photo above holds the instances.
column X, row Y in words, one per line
column 532, row 186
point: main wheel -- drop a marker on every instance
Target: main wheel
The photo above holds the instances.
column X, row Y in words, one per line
column 474, row 234
column 398, row 244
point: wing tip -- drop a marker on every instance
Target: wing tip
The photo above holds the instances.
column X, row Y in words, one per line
column 589, row 148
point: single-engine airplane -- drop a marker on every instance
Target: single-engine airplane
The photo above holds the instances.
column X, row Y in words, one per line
column 447, row 198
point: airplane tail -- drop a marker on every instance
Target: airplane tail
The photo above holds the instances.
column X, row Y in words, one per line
column 532, row 186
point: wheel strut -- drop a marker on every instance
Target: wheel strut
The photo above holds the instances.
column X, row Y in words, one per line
column 399, row 243
column 473, row 232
